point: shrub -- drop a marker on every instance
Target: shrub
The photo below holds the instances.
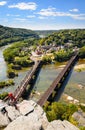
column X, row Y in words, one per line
column 3, row 95
column 11, row 73
column 60, row 111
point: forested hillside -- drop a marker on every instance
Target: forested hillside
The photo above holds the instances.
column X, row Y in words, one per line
column 74, row 36
column 9, row 35
column 45, row 32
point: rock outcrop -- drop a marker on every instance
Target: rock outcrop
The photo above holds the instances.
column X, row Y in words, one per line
column 61, row 125
column 24, row 123
column 79, row 117
column 4, row 121
column 30, row 116
column 12, row 113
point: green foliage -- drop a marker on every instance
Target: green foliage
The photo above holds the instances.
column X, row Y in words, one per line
column 3, row 95
column 10, row 35
column 63, row 55
column 76, row 36
column 18, row 56
column 6, row 83
column 11, row 73
column 45, row 32
column 73, row 121
column 82, row 107
column 22, row 61
column 82, row 127
column 15, row 67
column 82, row 52
column 60, row 111
column 46, row 59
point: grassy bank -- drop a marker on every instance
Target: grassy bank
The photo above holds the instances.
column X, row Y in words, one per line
column 6, row 83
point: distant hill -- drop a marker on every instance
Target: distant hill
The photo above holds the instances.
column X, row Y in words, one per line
column 44, row 33
column 60, row 37
column 9, row 35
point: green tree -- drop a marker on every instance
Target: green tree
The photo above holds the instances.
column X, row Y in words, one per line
column 82, row 52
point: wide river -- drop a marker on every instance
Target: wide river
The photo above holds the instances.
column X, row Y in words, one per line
column 47, row 74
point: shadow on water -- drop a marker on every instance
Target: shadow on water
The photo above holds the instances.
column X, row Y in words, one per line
column 61, row 90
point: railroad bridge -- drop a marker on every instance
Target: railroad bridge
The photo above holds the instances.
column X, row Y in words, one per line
column 29, row 79
column 54, row 87
column 51, row 92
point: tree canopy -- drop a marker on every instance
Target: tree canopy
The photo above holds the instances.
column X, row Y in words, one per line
column 75, row 36
column 9, row 35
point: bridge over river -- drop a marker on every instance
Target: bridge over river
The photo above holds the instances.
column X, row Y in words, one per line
column 57, row 83
column 53, row 87
column 28, row 80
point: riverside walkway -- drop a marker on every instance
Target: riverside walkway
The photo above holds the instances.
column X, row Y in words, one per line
column 59, row 80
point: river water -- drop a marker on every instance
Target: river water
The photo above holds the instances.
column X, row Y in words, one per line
column 47, row 74
column 3, row 73
column 72, row 88
column 3, row 66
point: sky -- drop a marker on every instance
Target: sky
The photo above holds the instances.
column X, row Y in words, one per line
column 43, row 14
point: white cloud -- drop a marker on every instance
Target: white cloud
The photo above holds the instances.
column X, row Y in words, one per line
column 41, row 17
column 31, row 16
column 16, row 15
column 2, row 3
column 74, row 10
column 47, row 12
column 24, row 6
column 79, row 16
column 20, row 19
column 51, row 12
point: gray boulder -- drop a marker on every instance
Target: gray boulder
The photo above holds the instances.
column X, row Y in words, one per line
column 30, row 116
column 25, row 107
column 4, row 121
column 42, row 116
column 79, row 117
column 12, row 112
column 61, row 125
column 24, row 123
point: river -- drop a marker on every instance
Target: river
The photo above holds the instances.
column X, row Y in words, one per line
column 3, row 74
column 76, row 80
column 47, row 74
column 3, row 66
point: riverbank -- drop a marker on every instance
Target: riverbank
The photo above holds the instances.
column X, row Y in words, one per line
column 6, row 83
column 80, row 66
column 69, row 99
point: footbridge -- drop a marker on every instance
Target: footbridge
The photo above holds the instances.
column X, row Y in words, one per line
column 52, row 90
column 27, row 80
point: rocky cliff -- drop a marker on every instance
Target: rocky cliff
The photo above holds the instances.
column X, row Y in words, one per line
column 30, row 116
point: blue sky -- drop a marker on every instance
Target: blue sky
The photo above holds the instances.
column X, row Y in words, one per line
column 43, row 14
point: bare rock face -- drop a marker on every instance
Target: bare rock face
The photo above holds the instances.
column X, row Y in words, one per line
column 69, row 126
column 61, row 125
column 24, row 123
column 12, row 113
column 4, row 121
column 79, row 117
column 30, row 116
column 42, row 116
column 25, row 107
